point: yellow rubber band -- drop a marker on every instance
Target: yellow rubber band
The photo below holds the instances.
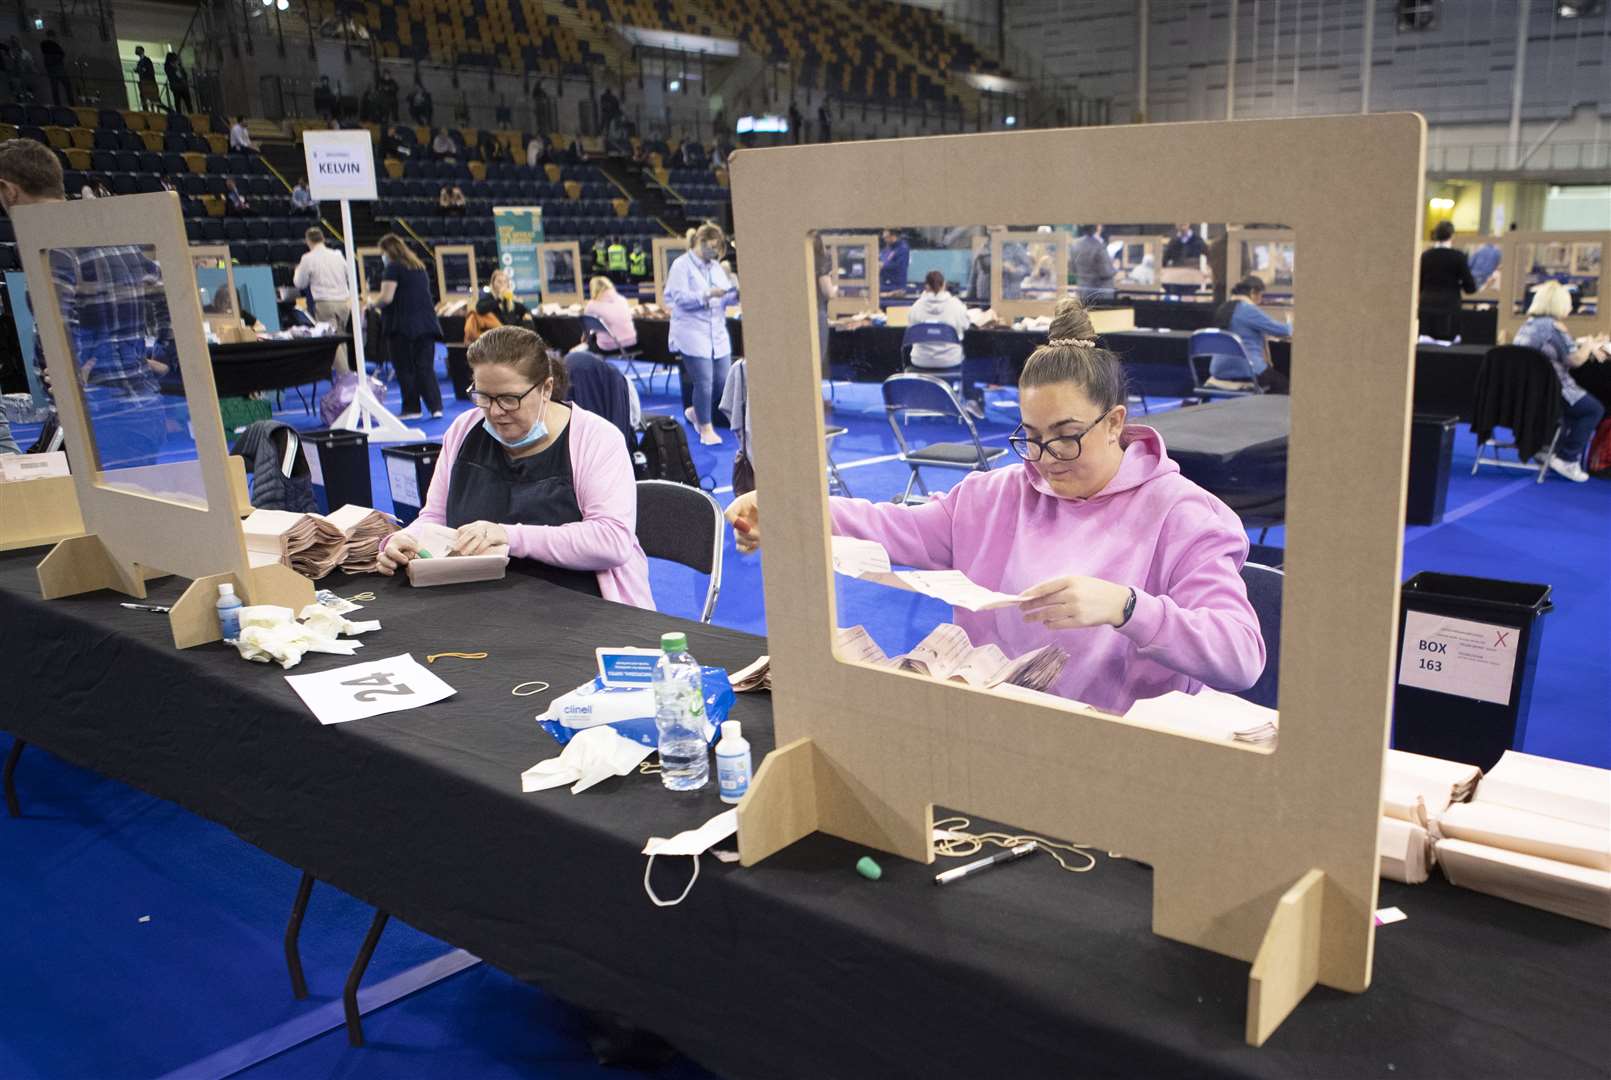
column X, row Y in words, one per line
column 433, row 657
column 539, row 684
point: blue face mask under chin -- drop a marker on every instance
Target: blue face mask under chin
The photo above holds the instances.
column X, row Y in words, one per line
column 538, row 432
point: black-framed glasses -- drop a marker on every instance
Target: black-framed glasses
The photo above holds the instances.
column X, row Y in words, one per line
column 506, row 402
column 1061, row 448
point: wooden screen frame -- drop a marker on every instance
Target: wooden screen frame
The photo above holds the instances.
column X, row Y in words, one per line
column 359, row 255
column 1021, row 308
column 853, row 305
column 220, row 251
column 1265, row 856
column 1150, row 245
column 574, row 249
column 443, row 296
column 1236, row 269
column 1513, row 289
column 661, row 263
column 130, row 536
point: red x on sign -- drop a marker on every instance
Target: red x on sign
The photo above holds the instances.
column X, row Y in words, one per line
column 1499, row 638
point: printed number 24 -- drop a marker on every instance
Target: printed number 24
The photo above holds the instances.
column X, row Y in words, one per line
column 382, row 683
column 1431, row 665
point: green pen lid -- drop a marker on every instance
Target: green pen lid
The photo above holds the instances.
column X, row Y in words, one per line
column 869, row 869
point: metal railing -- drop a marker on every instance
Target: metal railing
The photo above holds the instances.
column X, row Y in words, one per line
column 1495, row 157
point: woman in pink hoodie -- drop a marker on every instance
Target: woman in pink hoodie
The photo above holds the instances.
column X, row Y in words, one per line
column 1126, row 564
column 552, row 481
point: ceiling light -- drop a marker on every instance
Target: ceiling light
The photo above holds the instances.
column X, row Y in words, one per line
column 674, row 85
column 283, row 5
column 1012, row 121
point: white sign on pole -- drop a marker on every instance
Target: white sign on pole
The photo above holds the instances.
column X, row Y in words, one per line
column 1457, row 656
column 341, row 165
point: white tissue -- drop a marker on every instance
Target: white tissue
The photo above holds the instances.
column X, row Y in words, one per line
column 269, row 632
column 591, row 756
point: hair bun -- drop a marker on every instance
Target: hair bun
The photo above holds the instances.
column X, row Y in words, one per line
column 1071, row 323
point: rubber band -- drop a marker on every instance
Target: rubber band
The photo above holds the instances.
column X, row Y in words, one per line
column 668, row 903
column 361, row 597
column 961, row 844
column 649, row 768
column 538, row 683
column 433, row 657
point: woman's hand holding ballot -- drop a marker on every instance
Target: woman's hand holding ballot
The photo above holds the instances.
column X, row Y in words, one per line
column 1072, row 603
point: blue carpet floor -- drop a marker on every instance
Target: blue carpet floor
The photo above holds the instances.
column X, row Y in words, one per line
column 144, row 941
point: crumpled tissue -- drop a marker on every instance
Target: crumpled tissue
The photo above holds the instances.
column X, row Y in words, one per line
column 590, row 757
column 270, row 632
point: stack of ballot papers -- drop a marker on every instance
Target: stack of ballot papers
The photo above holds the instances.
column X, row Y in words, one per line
column 1416, row 792
column 754, row 676
column 1210, row 714
column 868, row 561
column 947, row 654
column 307, row 543
column 1537, row 832
column 437, row 565
column 366, row 530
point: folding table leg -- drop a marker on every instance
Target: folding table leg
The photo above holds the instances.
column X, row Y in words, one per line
column 12, row 806
column 293, row 956
column 349, row 995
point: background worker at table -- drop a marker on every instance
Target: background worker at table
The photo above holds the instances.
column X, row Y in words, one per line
column 554, row 482
column 114, row 313
column 1581, row 411
column 1444, row 276
column 1253, row 328
column 1184, row 254
column 411, row 328
column 894, row 258
column 1093, row 266
column 322, row 274
column 1129, row 566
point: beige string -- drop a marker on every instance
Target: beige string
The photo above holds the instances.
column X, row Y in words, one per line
column 965, row 843
column 434, row 657
column 538, row 683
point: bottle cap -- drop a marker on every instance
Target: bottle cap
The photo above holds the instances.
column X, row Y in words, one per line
column 226, row 589
column 673, row 643
column 730, row 729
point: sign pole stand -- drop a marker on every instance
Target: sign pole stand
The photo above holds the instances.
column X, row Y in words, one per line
column 348, row 158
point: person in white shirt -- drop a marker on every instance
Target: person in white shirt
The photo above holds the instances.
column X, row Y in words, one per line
column 936, row 305
column 302, row 198
column 322, row 273
column 240, row 140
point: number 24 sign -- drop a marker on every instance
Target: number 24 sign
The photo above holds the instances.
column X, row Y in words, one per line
column 369, row 689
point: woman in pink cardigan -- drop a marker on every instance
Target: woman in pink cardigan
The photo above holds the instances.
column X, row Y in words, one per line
column 610, row 308
column 1130, row 567
column 552, row 481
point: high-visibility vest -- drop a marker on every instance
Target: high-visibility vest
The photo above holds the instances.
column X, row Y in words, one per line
column 638, row 262
column 618, row 257
column 600, row 257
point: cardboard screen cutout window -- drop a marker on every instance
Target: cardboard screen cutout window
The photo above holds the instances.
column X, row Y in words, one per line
column 667, row 250
column 560, row 266
column 455, row 272
column 1575, row 259
column 1269, row 858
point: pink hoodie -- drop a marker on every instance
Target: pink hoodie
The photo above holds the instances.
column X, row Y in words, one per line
column 1179, row 547
column 605, row 540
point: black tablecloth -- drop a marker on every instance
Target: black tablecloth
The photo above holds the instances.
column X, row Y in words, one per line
column 254, row 366
column 1235, row 448
column 795, row 968
column 564, row 332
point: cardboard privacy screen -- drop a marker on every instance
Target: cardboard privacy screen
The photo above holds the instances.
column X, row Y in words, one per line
column 144, row 513
column 1267, row 857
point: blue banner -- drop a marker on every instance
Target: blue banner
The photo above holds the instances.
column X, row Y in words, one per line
column 520, row 230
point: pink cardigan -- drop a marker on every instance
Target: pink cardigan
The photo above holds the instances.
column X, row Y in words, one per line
column 616, row 316
column 606, row 538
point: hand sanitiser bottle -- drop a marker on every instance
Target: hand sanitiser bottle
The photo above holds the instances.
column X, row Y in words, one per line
column 229, row 612
column 732, row 763
column 679, row 713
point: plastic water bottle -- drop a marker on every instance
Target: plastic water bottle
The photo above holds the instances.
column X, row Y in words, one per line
column 229, row 612
column 679, row 713
column 732, row 763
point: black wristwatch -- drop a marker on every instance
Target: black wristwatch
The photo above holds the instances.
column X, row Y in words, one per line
column 1129, row 608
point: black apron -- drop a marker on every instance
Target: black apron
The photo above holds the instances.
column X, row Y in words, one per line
column 488, row 485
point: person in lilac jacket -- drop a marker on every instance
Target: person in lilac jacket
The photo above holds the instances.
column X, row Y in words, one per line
column 1126, row 564
column 698, row 292
column 552, row 481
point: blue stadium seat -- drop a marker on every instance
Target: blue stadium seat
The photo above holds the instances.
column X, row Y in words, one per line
column 146, row 183
column 179, row 122
column 257, row 229
column 213, row 231
column 219, row 164
column 150, row 163
column 235, row 230
column 72, row 182
column 103, row 161
column 256, row 253
column 131, row 141
column 123, row 184
column 128, row 161
column 110, row 119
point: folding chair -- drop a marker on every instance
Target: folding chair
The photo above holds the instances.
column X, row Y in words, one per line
column 921, row 395
column 1497, row 378
column 683, row 524
column 593, row 326
column 835, row 480
column 1220, row 365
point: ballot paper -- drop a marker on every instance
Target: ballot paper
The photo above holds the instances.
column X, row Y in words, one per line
column 754, row 676
column 867, row 560
column 1560, row 789
column 1418, row 789
column 1574, row 891
column 307, row 543
column 1406, row 851
column 948, row 655
column 357, row 691
column 437, row 565
column 1210, row 714
column 365, row 530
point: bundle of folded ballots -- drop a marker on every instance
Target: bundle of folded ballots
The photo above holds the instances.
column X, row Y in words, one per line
column 270, row 632
column 315, row 544
column 1537, row 832
column 948, row 655
column 1417, row 793
column 436, row 563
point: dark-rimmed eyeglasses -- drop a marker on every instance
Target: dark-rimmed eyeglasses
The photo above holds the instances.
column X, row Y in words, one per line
column 506, row 402
column 1061, row 448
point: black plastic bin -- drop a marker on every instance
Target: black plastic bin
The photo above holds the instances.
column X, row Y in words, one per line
column 1464, row 686
column 409, row 468
column 1431, row 454
column 339, row 461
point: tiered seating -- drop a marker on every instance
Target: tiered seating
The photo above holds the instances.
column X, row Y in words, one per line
column 677, row 15
column 704, row 197
column 925, row 33
column 133, row 152
column 512, row 35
